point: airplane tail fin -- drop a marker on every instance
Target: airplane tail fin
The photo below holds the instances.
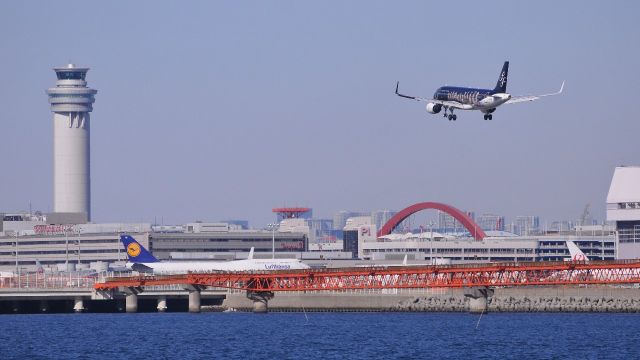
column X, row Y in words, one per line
column 250, row 257
column 404, row 262
column 576, row 253
column 39, row 268
column 136, row 252
column 501, row 85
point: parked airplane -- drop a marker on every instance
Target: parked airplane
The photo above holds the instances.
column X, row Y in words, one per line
column 575, row 253
column 450, row 98
column 141, row 260
column 405, row 263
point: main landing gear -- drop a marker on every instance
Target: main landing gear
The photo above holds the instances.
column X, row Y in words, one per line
column 451, row 115
column 488, row 117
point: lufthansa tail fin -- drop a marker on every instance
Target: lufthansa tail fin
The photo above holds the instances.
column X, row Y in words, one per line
column 136, row 252
column 501, row 85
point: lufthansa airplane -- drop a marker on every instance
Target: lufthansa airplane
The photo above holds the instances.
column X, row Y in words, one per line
column 450, row 98
column 141, row 260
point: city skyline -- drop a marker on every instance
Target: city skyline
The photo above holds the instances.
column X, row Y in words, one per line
column 215, row 111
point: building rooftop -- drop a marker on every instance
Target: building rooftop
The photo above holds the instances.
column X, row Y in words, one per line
column 625, row 185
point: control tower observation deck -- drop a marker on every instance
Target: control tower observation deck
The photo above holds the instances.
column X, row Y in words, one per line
column 71, row 102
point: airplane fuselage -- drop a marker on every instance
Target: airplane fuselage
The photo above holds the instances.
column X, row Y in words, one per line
column 452, row 98
column 181, row 267
column 485, row 100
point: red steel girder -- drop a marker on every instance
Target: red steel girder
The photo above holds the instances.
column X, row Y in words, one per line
column 451, row 276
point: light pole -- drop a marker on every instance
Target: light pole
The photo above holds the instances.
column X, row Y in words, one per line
column 66, row 251
column 17, row 266
column 78, row 248
column 273, row 228
column 431, row 241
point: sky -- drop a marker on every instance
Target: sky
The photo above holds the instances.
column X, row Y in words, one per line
column 224, row 110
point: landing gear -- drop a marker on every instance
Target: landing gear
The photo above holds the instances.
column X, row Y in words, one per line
column 452, row 116
column 488, row 117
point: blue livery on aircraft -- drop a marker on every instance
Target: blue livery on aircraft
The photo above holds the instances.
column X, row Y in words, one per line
column 450, row 98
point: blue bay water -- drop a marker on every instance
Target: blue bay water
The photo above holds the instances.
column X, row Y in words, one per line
column 322, row 336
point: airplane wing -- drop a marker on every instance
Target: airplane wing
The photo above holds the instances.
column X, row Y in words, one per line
column 141, row 268
column 450, row 104
column 524, row 98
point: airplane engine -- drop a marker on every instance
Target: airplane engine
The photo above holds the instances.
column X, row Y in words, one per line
column 433, row 108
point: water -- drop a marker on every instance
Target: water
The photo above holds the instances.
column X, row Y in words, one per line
column 323, row 335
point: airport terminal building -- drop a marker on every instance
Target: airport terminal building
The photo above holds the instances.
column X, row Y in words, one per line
column 58, row 243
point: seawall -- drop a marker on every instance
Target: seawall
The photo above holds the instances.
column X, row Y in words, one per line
column 521, row 299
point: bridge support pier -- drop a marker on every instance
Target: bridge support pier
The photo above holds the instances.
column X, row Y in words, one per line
column 479, row 298
column 131, row 303
column 194, row 297
column 131, row 298
column 194, row 301
column 260, row 300
column 78, row 305
column 162, row 304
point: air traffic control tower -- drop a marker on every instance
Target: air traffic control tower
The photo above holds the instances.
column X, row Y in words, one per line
column 71, row 102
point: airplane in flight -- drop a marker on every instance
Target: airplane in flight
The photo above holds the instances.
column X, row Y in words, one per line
column 451, row 98
column 141, row 260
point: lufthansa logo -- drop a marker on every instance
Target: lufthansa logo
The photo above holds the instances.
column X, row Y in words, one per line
column 133, row 250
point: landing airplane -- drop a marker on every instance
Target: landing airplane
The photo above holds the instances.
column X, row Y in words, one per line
column 450, row 98
column 141, row 260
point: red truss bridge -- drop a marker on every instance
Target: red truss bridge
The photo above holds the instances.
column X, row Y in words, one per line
column 449, row 276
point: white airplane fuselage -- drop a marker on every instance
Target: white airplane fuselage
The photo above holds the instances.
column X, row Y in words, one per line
column 182, row 267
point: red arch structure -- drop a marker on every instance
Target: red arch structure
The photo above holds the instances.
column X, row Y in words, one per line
column 467, row 222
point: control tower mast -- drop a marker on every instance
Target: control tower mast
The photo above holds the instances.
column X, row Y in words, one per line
column 71, row 102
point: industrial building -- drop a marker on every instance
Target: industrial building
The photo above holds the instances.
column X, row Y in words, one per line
column 623, row 207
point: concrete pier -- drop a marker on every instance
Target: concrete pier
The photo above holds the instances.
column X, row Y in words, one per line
column 260, row 301
column 478, row 305
column 162, row 304
column 479, row 298
column 78, row 305
column 131, row 303
column 260, row 307
column 194, row 301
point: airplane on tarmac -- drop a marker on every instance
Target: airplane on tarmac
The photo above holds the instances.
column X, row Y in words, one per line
column 405, row 263
column 450, row 98
column 141, row 260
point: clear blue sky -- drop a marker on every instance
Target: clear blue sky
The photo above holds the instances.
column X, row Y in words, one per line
column 214, row 110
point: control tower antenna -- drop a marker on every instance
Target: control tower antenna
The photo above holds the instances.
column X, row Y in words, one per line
column 71, row 102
